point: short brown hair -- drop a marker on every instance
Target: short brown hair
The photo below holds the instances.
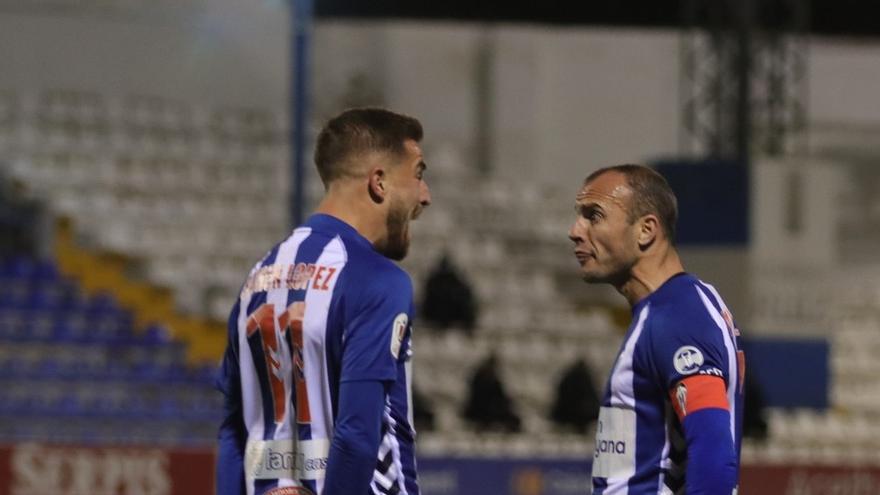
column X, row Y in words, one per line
column 361, row 130
column 651, row 194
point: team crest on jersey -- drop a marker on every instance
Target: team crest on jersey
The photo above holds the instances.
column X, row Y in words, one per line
column 398, row 331
column 687, row 360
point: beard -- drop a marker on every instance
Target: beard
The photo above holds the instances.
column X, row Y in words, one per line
column 396, row 243
column 616, row 274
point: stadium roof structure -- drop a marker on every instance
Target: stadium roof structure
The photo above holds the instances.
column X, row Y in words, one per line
column 825, row 17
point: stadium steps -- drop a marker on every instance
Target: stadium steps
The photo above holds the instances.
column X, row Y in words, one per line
column 105, row 272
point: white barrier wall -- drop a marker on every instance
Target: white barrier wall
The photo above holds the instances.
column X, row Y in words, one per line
column 843, row 75
column 598, row 97
column 565, row 101
column 793, row 222
column 794, row 245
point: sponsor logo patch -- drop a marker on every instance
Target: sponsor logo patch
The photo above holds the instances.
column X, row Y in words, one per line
column 398, row 331
column 712, row 371
column 687, row 360
column 614, row 456
column 286, row 459
column 290, row 490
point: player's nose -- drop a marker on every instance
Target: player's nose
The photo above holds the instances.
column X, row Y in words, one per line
column 425, row 195
column 575, row 233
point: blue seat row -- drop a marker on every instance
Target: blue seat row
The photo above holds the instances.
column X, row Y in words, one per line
column 109, row 400
column 72, row 368
column 104, row 431
column 27, row 268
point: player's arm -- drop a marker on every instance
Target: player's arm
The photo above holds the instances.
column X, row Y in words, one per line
column 700, row 401
column 369, row 366
column 356, row 437
column 231, row 438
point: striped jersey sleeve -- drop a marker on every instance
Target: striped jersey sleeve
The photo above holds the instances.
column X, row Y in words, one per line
column 693, row 339
column 378, row 316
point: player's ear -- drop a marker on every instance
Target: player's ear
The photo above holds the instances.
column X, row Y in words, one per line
column 649, row 229
column 377, row 184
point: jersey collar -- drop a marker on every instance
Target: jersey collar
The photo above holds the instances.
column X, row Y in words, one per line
column 669, row 282
column 327, row 223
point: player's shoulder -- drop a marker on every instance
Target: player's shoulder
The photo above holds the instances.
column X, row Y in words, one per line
column 374, row 272
column 681, row 302
column 686, row 333
column 370, row 281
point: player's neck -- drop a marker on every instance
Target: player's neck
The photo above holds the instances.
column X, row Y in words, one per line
column 364, row 217
column 649, row 273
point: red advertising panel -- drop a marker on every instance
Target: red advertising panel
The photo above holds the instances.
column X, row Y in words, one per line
column 809, row 480
column 44, row 469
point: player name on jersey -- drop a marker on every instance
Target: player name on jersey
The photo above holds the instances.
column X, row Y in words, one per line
column 290, row 277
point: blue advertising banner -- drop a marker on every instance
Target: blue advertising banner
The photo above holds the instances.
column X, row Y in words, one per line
column 480, row 476
column 713, row 201
column 790, row 372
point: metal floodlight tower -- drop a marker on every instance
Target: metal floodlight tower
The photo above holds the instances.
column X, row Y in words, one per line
column 742, row 77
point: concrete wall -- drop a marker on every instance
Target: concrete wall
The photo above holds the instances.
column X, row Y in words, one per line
column 563, row 101
column 843, row 79
column 794, row 250
column 226, row 52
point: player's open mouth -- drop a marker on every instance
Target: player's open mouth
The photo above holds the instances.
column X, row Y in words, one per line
column 582, row 257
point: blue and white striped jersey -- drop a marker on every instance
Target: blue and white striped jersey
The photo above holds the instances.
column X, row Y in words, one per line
column 323, row 307
column 681, row 331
